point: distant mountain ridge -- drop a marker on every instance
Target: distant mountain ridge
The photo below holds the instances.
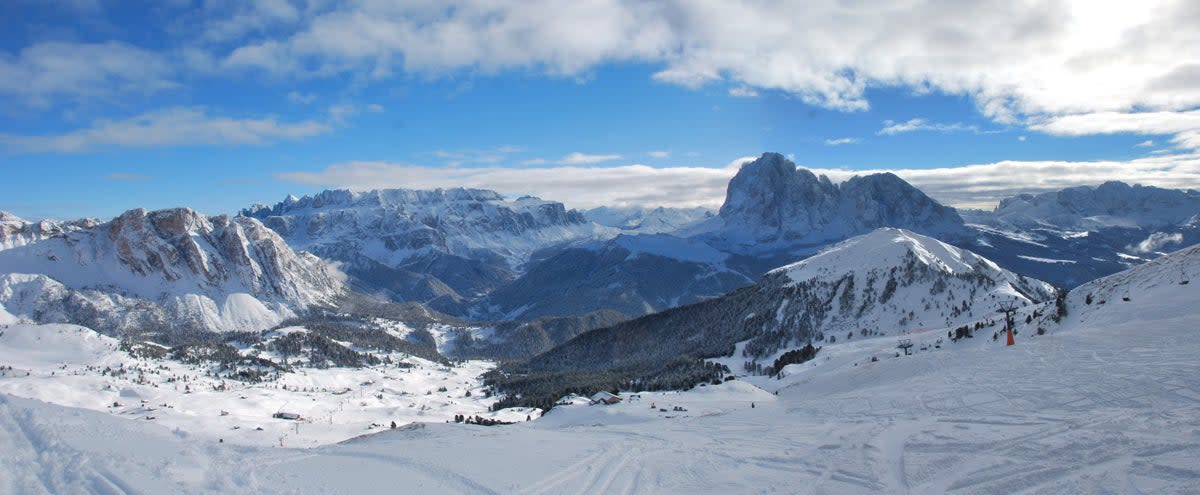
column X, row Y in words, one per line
column 442, row 247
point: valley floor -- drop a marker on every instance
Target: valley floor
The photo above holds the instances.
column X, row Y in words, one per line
column 1107, row 409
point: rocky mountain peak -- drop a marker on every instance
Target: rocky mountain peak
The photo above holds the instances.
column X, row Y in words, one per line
column 770, row 200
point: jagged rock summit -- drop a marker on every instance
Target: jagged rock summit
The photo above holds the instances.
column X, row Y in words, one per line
column 439, row 246
column 771, row 202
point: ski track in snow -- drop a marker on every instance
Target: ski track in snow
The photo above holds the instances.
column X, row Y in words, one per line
column 1045, row 416
column 1108, row 402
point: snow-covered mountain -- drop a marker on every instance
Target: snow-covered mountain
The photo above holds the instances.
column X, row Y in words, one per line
column 643, row 220
column 881, row 283
column 163, row 271
column 1071, row 236
column 1112, row 204
column 774, row 213
column 442, row 247
column 771, row 204
column 1163, row 286
column 16, row 231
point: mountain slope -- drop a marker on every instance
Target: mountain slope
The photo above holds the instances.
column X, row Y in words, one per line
column 631, row 274
column 881, row 283
column 1163, row 286
column 167, row 270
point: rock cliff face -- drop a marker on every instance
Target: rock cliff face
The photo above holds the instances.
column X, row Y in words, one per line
column 441, row 247
column 165, row 269
column 770, row 202
column 16, row 231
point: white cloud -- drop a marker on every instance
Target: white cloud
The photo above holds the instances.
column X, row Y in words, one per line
column 471, row 156
column 580, row 187
column 578, row 158
column 169, row 127
column 1184, row 126
column 659, row 154
column 743, row 92
column 1145, row 144
column 984, row 185
column 840, row 141
column 975, row 186
column 1013, row 58
column 1021, row 138
column 229, row 21
column 301, row 98
column 43, row 73
column 891, row 128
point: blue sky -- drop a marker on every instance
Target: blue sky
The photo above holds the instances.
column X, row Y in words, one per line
column 219, row 104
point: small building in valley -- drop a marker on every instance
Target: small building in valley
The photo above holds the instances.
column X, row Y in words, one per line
column 606, row 398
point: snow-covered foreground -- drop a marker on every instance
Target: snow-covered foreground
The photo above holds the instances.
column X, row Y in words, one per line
column 74, row 366
column 1093, row 409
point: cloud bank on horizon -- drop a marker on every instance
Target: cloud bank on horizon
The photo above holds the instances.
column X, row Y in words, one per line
column 968, row 186
column 1054, row 68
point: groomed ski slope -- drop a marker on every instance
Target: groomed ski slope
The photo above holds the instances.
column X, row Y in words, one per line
column 1108, row 402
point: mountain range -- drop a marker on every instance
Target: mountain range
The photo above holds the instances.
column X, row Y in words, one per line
column 481, row 260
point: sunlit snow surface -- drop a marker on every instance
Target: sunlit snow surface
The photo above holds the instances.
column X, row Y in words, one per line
column 1107, row 402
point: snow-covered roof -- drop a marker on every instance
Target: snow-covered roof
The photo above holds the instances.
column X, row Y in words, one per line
column 602, row 395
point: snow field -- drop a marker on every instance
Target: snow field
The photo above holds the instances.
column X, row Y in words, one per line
column 66, row 366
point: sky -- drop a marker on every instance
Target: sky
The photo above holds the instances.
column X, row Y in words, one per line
column 217, row 105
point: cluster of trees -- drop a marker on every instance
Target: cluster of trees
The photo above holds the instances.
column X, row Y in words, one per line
column 479, row 420
column 794, row 356
column 541, row 389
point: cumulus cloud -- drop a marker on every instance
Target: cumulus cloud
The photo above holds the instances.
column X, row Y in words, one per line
column 43, row 73
column 169, row 127
column 971, row 186
column 1014, row 58
column 659, row 154
column 840, row 141
column 578, row 158
column 1020, row 62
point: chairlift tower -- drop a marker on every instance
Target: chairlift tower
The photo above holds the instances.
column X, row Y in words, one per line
column 1009, row 309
